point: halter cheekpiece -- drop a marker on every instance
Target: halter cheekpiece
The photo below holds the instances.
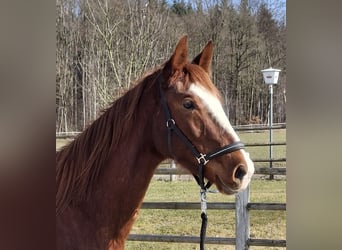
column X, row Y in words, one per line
column 201, row 158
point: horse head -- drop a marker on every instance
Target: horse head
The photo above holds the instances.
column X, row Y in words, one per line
column 192, row 127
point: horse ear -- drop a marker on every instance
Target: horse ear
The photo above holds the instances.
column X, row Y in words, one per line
column 179, row 57
column 205, row 57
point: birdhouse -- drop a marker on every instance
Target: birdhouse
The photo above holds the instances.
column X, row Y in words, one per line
column 271, row 75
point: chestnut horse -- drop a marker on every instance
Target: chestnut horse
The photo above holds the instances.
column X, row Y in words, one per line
column 174, row 112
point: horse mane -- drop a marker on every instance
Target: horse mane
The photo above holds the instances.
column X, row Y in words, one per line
column 79, row 163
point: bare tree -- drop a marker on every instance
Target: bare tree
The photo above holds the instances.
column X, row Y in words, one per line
column 104, row 45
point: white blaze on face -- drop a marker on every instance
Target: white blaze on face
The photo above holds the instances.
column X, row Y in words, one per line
column 214, row 106
column 250, row 166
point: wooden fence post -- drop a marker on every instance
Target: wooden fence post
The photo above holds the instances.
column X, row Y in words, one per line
column 172, row 165
column 242, row 220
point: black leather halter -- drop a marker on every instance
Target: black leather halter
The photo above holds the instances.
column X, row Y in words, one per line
column 201, row 158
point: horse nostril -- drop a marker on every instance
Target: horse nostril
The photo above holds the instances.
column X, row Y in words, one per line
column 240, row 172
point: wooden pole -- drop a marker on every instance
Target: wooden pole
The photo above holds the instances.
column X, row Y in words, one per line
column 242, row 219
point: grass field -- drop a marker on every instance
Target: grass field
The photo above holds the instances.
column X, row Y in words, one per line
column 264, row 224
column 221, row 223
column 279, row 151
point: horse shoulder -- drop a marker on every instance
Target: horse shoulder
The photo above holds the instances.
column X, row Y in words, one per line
column 119, row 242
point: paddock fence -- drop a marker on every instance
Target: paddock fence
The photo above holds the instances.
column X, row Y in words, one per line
column 242, row 204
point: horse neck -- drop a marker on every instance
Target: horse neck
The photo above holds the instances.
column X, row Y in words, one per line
column 125, row 178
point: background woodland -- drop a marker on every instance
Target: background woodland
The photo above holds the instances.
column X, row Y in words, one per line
column 103, row 46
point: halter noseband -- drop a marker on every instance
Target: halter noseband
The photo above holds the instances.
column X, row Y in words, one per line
column 201, row 158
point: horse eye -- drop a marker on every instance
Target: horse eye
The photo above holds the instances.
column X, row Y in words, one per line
column 188, row 104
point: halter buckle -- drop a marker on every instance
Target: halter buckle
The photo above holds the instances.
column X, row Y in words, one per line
column 170, row 123
column 202, row 159
column 203, row 201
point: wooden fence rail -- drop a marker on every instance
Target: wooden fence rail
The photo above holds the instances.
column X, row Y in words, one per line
column 251, row 128
column 255, row 127
column 208, row 240
column 212, row 205
column 180, row 239
column 181, row 171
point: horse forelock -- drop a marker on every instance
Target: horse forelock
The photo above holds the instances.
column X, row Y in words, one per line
column 198, row 75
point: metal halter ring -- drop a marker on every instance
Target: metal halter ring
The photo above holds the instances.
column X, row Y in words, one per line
column 201, row 159
column 170, row 123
